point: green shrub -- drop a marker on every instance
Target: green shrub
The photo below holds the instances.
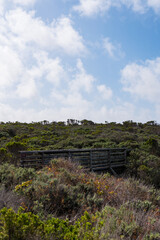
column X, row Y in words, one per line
column 23, row 226
column 14, row 148
column 19, row 226
column 4, row 155
column 61, row 192
column 11, row 175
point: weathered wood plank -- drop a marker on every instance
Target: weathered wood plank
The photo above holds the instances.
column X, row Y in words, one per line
column 93, row 159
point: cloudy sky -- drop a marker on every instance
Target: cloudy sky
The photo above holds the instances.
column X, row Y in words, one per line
column 83, row 59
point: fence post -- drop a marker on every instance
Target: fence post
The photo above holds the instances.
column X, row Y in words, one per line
column 91, row 160
column 109, row 158
column 21, row 162
column 125, row 156
column 43, row 158
column 69, row 156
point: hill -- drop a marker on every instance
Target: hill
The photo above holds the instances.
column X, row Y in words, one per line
column 62, row 201
column 142, row 139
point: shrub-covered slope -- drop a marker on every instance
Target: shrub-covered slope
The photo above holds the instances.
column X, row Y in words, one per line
column 142, row 139
column 62, row 201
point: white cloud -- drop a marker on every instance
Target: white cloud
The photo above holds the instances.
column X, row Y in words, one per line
column 136, row 5
column 54, row 71
column 11, row 4
column 143, row 80
column 25, row 45
column 51, row 69
column 36, row 83
column 112, row 49
column 157, row 111
column 67, row 37
column 155, row 4
column 82, row 80
column 27, row 29
column 66, row 100
column 32, row 75
column 92, row 7
column 123, row 111
column 109, row 47
column 79, row 109
column 72, row 95
column 1, row 7
column 117, row 112
column 18, row 80
column 24, row 2
column 106, row 92
column 27, row 88
column 35, row 79
column 10, row 67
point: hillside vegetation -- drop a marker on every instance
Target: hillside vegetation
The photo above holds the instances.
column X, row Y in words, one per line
column 142, row 139
column 62, row 201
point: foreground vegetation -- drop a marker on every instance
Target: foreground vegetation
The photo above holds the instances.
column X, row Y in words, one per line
column 62, row 201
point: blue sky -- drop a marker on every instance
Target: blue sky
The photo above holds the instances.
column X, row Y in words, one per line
column 80, row 59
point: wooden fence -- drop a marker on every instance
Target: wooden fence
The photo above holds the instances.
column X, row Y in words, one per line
column 91, row 159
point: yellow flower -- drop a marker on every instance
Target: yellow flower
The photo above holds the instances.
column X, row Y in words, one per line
column 112, row 192
column 24, row 184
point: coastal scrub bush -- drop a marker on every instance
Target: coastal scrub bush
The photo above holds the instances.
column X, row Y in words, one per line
column 4, row 155
column 65, row 189
column 11, row 175
column 56, row 190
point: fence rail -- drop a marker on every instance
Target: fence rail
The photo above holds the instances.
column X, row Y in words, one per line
column 92, row 159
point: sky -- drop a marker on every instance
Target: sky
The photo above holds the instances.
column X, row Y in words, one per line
column 80, row 59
